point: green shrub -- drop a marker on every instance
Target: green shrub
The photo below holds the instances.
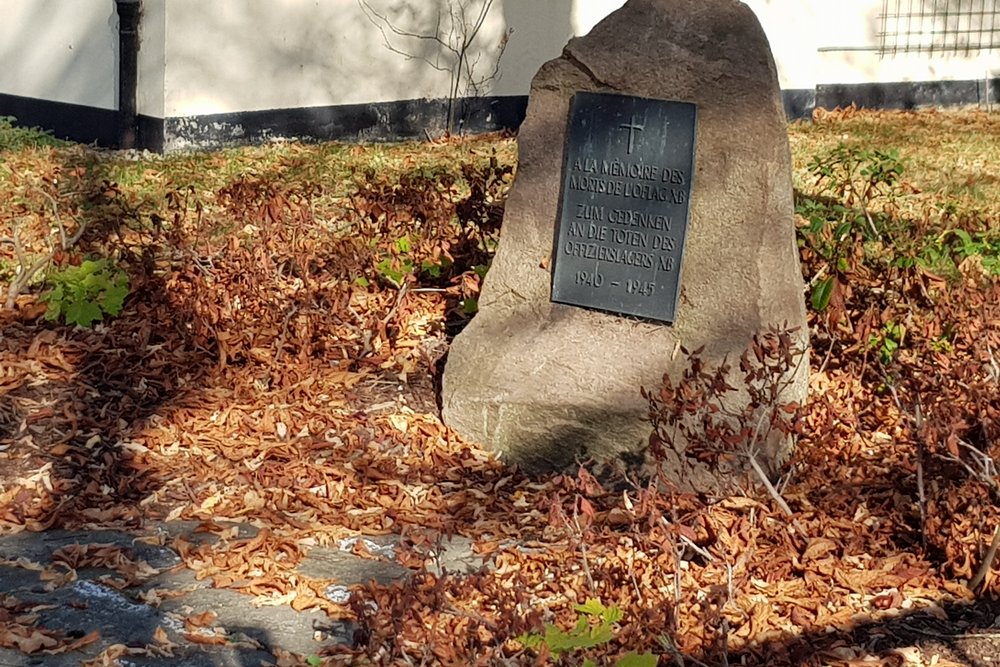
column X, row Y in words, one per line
column 85, row 294
column 848, row 179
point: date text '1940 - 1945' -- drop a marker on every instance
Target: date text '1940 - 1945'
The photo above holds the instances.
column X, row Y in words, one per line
column 625, row 201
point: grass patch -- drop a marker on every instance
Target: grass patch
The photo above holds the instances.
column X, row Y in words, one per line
column 16, row 138
column 880, row 192
column 953, row 157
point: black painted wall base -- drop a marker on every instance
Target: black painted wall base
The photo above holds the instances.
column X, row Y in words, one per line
column 86, row 125
column 909, row 94
column 420, row 119
column 384, row 121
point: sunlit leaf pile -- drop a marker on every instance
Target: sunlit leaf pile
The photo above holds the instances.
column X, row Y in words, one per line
column 275, row 363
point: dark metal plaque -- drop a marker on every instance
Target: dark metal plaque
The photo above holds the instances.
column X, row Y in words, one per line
column 625, row 199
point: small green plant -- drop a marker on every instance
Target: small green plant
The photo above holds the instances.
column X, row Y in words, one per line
column 855, row 176
column 953, row 246
column 852, row 219
column 395, row 267
column 888, row 341
column 470, row 306
column 848, row 179
column 942, row 345
column 594, row 627
column 85, row 294
column 395, row 273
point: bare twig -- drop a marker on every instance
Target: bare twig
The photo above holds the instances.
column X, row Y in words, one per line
column 280, row 346
column 988, row 559
column 730, row 588
column 583, row 551
column 986, row 474
column 871, row 223
column 698, row 550
column 400, row 295
column 921, row 494
column 724, row 632
column 688, row 543
column 815, row 279
column 994, row 367
column 381, row 21
column 829, row 350
column 678, row 657
column 917, row 419
column 55, row 217
column 773, row 492
column 678, row 579
column 455, row 44
column 640, row 598
column 26, row 270
column 451, row 608
column 989, row 467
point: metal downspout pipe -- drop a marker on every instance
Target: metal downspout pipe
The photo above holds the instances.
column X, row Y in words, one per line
column 128, row 71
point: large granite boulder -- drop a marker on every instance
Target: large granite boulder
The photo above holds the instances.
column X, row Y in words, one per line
column 545, row 383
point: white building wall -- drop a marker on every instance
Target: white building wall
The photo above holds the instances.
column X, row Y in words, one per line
column 268, row 54
column 794, row 29
column 845, row 37
column 200, row 57
column 60, row 50
column 151, row 86
column 250, row 55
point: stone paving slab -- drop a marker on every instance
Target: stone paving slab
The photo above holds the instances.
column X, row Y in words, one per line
column 86, row 604
column 39, row 547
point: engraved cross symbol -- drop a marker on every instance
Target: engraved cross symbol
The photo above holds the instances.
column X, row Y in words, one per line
column 632, row 129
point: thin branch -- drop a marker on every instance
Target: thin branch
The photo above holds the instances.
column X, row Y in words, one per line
column 476, row 84
column 27, row 272
column 994, row 367
column 678, row 657
column 678, row 577
column 698, row 550
column 55, row 216
column 462, row 31
column 829, row 349
column 917, row 419
column 640, row 598
column 989, row 467
column 921, row 494
column 484, row 10
column 280, row 345
column 769, row 486
column 583, row 548
column 988, row 559
column 985, row 475
column 383, row 22
column 400, row 295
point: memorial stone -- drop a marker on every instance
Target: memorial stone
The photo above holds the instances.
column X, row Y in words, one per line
column 652, row 210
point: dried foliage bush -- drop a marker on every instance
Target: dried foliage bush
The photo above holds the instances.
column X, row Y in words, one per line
column 693, row 414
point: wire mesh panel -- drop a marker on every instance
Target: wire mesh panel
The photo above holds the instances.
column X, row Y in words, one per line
column 939, row 26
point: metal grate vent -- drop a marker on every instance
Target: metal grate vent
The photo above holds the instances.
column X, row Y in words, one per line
column 938, row 26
